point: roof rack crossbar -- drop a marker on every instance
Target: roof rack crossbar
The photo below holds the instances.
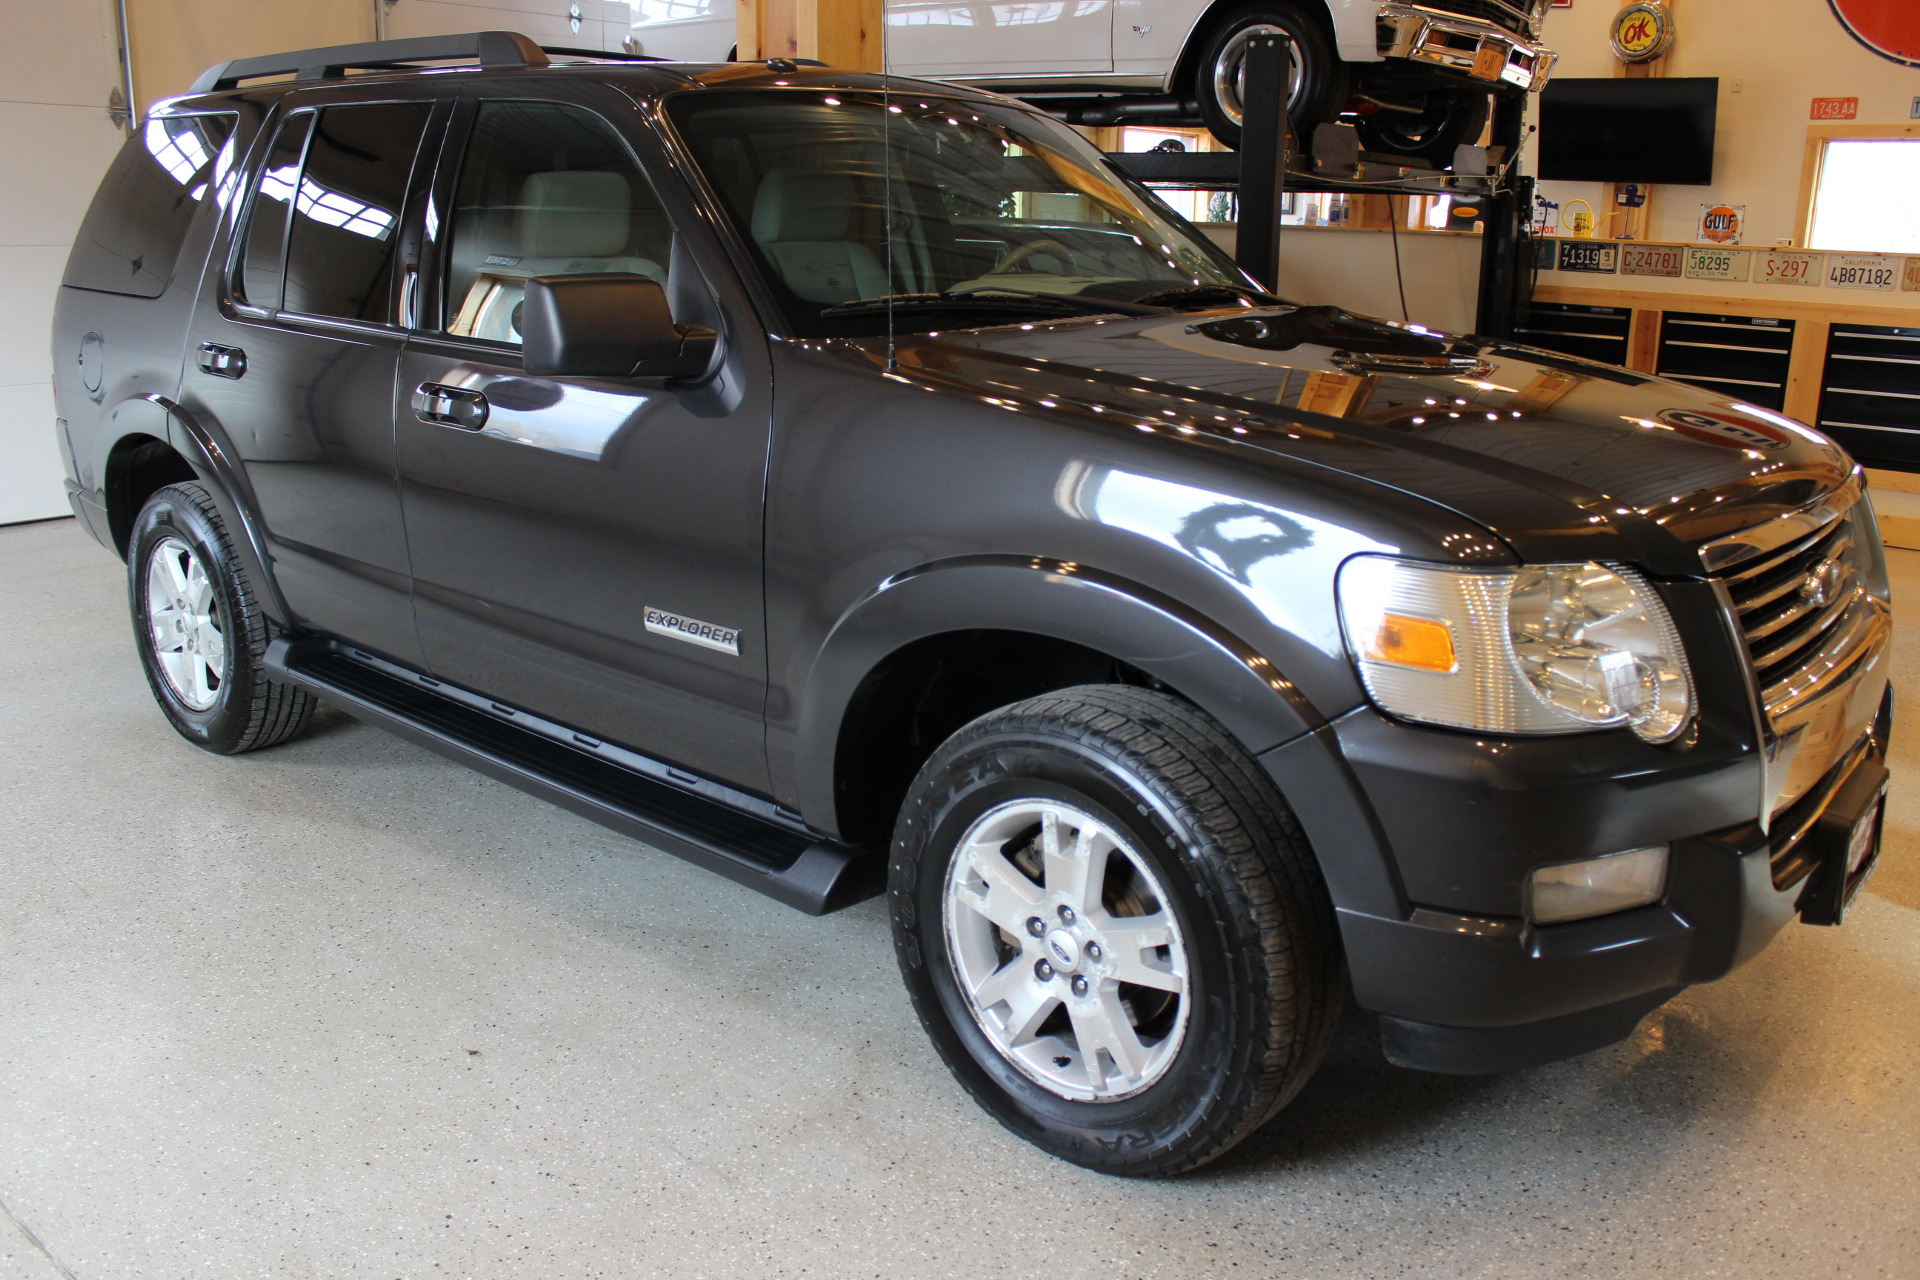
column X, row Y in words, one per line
column 493, row 49
column 612, row 55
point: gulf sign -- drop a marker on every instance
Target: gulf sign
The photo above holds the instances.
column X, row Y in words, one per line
column 1726, row 428
column 1891, row 28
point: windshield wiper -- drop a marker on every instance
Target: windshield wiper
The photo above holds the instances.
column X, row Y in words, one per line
column 1199, row 297
column 989, row 299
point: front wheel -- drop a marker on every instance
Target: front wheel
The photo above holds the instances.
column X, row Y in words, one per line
column 1446, row 119
column 200, row 631
column 1112, row 929
column 1316, row 78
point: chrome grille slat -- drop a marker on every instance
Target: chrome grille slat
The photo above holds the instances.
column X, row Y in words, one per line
column 1798, row 632
column 1770, row 599
column 1780, row 557
column 1780, row 648
column 1521, row 18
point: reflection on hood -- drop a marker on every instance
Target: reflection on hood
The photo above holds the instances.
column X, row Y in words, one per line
column 1355, row 342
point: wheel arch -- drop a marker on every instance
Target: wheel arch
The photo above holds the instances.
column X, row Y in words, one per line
column 1202, row 30
column 157, row 443
column 930, row 649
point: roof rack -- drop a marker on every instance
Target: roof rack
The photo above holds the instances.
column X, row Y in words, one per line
column 612, row 55
column 491, row 49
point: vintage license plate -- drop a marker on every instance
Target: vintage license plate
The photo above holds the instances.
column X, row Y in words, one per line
column 1911, row 280
column 1595, row 257
column 1718, row 264
column 1651, row 260
column 1780, row 267
column 1490, row 61
column 1861, row 271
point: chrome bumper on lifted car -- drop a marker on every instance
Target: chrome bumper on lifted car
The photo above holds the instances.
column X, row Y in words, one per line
column 1481, row 49
column 1771, row 811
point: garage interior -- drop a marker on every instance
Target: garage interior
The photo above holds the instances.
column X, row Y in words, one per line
column 345, row 1008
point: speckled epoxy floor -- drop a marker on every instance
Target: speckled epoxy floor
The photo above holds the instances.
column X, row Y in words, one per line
column 343, row 1009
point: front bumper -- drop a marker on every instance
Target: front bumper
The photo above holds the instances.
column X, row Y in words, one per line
column 1479, row 50
column 1427, row 838
column 1466, row 993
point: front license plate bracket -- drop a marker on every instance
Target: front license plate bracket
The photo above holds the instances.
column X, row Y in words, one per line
column 1847, row 836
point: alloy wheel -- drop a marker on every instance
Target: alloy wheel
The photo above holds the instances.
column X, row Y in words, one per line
column 1065, row 950
column 1230, row 71
column 183, row 619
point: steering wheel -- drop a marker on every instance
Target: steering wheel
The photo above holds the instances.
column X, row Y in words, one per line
column 1020, row 253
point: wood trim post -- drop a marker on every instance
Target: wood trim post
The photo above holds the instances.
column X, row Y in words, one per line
column 1807, row 370
column 848, row 34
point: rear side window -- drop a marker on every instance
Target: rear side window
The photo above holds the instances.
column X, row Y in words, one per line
column 133, row 231
column 346, row 209
column 546, row 189
column 263, row 250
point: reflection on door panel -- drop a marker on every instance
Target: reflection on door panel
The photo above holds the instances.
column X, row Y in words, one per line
column 573, row 418
column 547, row 516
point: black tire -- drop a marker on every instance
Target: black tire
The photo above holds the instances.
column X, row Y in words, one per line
column 1318, row 91
column 1264, row 968
column 245, row 709
column 1452, row 118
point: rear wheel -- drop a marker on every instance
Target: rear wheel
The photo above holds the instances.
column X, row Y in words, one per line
column 1112, row 930
column 1316, row 82
column 200, row 631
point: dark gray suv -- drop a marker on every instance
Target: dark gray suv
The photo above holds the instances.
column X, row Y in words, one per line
column 850, row 483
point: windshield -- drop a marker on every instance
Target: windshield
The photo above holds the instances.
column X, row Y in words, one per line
column 991, row 203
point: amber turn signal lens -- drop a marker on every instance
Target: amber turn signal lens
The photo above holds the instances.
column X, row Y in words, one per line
column 1420, row 643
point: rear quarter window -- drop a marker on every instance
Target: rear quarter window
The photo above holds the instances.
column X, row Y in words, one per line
column 132, row 233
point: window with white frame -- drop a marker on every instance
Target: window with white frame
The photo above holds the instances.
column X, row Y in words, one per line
column 1866, row 192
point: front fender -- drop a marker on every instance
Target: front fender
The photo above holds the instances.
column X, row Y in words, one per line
column 1194, row 656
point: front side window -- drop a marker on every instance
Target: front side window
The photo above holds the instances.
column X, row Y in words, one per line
column 545, row 189
column 850, row 198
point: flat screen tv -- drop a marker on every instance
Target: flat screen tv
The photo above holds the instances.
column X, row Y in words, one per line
column 1629, row 130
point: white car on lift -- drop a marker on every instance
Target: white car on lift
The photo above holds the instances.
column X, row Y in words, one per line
column 1413, row 77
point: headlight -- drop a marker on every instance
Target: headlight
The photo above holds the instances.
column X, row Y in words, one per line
column 1541, row 649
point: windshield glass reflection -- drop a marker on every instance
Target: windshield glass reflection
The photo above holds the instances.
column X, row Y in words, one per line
column 936, row 213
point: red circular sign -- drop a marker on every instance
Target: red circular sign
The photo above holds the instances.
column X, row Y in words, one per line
column 1891, row 28
column 1724, row 427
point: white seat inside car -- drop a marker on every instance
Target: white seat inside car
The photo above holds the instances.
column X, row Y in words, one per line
column 567, row 222
column 801, row 219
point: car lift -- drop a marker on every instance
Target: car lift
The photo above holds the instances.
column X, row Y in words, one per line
column 1269, row 164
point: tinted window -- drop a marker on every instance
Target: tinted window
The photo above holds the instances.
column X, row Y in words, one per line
column 140, row 215
column 263, row 251
column 848, row 198
column 346, row 211
column 545, row 190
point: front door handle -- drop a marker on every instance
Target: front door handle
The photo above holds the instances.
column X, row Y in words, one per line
column 450, row 406
column 222, row 362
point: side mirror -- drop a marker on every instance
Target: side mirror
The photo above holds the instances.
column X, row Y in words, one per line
column 615, row 325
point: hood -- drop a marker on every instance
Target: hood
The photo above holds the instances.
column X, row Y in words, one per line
column 1561, row 457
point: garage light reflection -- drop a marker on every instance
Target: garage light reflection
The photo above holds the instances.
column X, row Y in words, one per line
column 1264, row 551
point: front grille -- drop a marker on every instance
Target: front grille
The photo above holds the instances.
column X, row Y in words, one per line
column 1518, row 17
column 1793, row 599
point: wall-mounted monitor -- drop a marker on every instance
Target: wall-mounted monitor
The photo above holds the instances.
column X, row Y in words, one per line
column 1629, row 130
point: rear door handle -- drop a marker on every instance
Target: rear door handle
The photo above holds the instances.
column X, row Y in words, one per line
column 222, row 362
column 450, row 406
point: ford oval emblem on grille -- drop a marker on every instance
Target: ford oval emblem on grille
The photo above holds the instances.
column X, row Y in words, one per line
column 1822, row 586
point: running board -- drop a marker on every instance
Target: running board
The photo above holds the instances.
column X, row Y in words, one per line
column 602, row 782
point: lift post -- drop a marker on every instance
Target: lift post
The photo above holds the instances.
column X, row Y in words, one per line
column 1272, row 162
column 1266, row 145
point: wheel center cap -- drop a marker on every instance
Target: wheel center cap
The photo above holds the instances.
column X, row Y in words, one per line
column 1063, row 949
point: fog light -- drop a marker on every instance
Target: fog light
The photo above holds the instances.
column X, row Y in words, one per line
column 1576, row 890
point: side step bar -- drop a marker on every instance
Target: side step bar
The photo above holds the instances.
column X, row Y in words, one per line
column 595, row 780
